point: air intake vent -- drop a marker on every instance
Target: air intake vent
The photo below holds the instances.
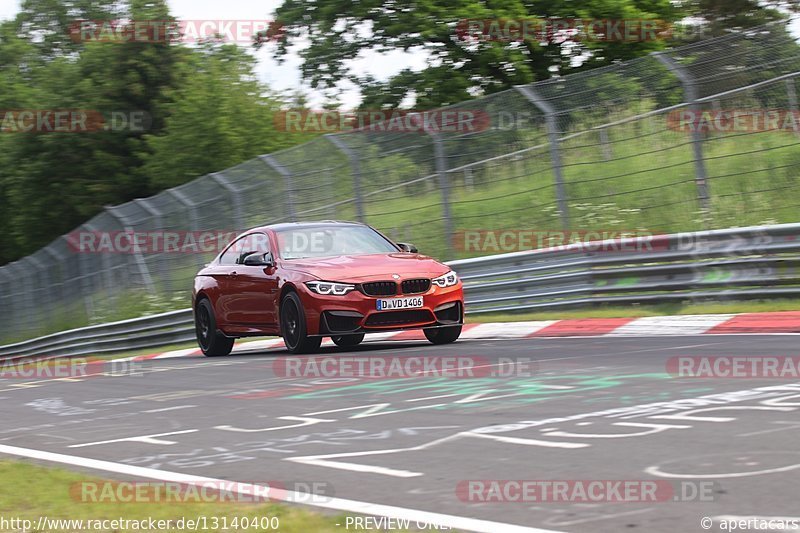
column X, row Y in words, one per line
column 399, row 318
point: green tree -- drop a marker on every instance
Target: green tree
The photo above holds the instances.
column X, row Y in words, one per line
column 19, row 64
column 50, row 21
column 219, row 117
column 712, row 18
column 339, row 30
column 66, row 178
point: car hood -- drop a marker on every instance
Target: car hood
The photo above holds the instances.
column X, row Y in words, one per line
column 373, row 267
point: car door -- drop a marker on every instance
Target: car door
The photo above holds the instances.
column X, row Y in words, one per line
column 256, row 286
column 225, row 272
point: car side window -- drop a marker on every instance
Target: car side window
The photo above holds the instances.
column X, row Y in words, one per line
column 252, row 244
column 231, row 255
column 244, row 246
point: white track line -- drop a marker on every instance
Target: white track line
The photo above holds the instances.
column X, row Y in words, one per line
column 644, row 327
column 147, row 439
column 506, row 330
column 178, row 353
column 670, row 325
column 338, row 504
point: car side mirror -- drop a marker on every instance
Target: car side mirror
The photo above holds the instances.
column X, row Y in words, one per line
column 407, row 247
column 259, row 259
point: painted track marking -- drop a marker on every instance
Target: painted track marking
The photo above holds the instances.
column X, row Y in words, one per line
column 147, row 439
column 337, row 504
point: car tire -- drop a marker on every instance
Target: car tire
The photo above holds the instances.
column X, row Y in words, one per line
column 443, row 335
column 293, row 326
column 211, row 341
column 347, row 341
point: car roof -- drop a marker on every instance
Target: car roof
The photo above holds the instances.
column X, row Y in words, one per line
column 300, row 225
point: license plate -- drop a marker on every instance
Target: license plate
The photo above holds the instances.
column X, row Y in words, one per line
column 399, row 303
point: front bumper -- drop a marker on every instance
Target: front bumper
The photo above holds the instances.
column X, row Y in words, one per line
column 356, row 312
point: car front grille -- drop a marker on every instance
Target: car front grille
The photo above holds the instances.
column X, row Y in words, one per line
column 416, row 286
column 379, row 288
column 399, row 318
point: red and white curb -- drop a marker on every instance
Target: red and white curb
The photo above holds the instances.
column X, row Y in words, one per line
column 651, row 326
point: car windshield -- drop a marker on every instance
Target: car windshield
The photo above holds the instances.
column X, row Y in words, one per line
column 329, row 241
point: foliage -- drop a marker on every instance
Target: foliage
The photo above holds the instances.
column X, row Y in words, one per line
column 203, row 111
column 457, row 68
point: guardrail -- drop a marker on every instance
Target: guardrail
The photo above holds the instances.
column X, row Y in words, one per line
column 136, row 333
column 731, row 264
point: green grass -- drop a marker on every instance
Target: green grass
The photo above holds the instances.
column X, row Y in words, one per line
column 29, row 492
column 647, row 184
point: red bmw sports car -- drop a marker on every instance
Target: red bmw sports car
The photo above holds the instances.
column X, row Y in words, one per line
column 309, row 280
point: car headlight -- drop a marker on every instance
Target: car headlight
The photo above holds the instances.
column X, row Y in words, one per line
column 446, row 280
column 329, row 287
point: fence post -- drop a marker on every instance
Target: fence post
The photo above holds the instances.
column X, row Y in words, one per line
column 39, row 268
column 150, row 210
column 444, row 185
column 26, row 320
column 236, row 198
column 791, row 95
column 690, row 92
column 107, row 277
column 86, row 286
column 71, row 287
column 57, row 288
column 162, row 262
column 607, row 154
column 7, row 302
column 551, row 122
column 355, row 165
column 141, row 265
column 287, row 176
column 188, row 204
column 329, row 184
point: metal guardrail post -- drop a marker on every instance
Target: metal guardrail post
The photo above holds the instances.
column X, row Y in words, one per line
column 444, row 184
column 355, row 165
column 690, row 91
column 236, row 198
column 287, row 176
column 551, row 122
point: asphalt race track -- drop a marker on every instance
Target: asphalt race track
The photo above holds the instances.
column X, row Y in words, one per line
column 412, row 443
